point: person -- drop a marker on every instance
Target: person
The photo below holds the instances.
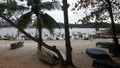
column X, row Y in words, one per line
column 0, row 37
column 91, row 38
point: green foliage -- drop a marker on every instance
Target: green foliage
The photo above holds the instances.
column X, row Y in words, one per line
column 46, row 6
column 24, row 20
column 2, row 7
column 50, row 5
column 98, row 9
column 87, row 25
column 48, row 22
column 30, row 2
column 117, row 27
column 12, row 6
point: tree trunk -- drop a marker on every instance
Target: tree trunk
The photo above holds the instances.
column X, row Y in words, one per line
column 67, row 36
column 40, row 32
column 115, row 39
column 39, row 25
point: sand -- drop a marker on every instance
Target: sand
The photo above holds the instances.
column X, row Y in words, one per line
column 26, row 57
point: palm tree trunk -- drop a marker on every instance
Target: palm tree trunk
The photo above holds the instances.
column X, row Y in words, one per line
column 115, row 39
column 39, row 25
column 67, row 36
column 39, row 31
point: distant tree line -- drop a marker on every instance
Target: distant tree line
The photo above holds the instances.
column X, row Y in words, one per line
column 75, row 25
column 85, row 25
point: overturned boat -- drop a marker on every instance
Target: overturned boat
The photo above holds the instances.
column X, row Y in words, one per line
column 49, row 57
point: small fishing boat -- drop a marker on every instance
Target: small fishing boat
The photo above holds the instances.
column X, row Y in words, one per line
column 98, row 54
column 16, row 45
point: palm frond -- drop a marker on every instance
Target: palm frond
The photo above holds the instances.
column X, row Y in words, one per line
column 19, row 7
column 24, row 20
column 12, row 6
column 48, row 22
column 50, row 5
column 2, row 7
column 30, row 2
column 117, row 27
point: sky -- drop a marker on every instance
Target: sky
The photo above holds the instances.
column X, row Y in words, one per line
column 73, row 18
column 58, row 14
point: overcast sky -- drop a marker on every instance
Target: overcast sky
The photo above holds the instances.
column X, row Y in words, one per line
column 58, row 14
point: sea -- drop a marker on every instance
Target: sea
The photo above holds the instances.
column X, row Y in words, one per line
column 11, row 31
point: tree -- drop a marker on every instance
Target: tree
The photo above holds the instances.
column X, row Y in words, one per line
column 103, row 10
column 43, row 19
column 117, row 27
column 7, row 17
column 67, row 36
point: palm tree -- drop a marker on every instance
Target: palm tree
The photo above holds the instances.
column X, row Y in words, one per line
column 43, row 19
column 6, row 16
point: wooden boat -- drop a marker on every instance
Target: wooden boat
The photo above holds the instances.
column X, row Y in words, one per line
column 16, row 45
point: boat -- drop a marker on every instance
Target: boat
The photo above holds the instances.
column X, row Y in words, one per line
column 16, row 45
column 49, row 57
column 98, row 54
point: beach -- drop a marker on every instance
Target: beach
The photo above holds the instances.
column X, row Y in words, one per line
column 26, row 56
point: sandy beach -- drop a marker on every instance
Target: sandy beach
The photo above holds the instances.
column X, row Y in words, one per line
column 26, row 57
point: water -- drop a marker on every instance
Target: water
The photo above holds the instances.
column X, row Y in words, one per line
column 45, row 33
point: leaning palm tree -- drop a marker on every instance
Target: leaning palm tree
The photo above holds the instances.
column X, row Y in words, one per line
column 6, row 15
column 43, row 19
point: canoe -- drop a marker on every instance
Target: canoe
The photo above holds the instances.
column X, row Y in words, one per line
column 104, row 44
